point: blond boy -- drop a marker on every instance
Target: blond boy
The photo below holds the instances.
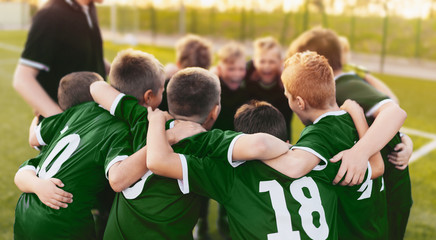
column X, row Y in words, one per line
column 263, row 76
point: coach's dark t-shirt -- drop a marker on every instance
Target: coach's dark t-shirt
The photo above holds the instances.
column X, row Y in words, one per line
column 63, row 39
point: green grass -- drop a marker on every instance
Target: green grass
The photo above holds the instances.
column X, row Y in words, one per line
column 416, row 98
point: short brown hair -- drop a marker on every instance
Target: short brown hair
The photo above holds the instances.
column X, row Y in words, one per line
column 264, row 44
column 323, row 41
column 230, row 52
column 74, row 88
column 260, row 116
column 134, row 72
column 309, row 76
column 193, row 92
column 194, row 51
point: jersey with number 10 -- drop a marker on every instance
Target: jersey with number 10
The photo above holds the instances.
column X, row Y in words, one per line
column 81, row 143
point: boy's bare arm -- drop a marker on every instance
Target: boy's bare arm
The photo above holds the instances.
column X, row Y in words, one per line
column 48, row 190
column 258, row 146
column 103, row 94
column 123, row 174
column 388, row 120
column 161, row 159
column 295, row 163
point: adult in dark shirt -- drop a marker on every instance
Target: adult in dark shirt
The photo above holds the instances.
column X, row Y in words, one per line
column 64, row 37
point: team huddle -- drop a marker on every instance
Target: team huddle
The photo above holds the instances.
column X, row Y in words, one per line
column 164, row 138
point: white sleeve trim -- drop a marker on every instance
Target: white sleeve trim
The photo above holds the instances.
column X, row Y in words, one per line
column 28, row 167
column 34, row 64
column 184, row 183
column 115, row 103
column 38, row 135
column 374, row 109
column 115, row 160
column 310, row 150
column 230, row 153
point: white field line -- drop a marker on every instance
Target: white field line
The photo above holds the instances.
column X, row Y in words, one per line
column 424, row 150
column 10, row 47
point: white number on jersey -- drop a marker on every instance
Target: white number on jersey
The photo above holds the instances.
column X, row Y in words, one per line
column 309, row 205
column 68, row 144
column 134, row 191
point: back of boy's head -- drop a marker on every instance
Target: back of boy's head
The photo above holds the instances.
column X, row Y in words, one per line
column 323, row 41
column 192, row 93
column 309, row 75
column 262, row 45
column 134, row 72
column 231, row 52
column 74, row 88
column 260, row 116
column 194, row 51
column 345, row 45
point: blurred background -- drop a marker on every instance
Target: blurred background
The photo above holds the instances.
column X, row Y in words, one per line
column 394, row 39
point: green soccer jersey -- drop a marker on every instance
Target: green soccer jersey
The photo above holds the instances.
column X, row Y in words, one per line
column 397, row 182
column 154, row 207
column 362, row 208
column 79, row 144
column 262, row 203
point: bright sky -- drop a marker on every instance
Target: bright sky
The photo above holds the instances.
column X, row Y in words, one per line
column 406, row 8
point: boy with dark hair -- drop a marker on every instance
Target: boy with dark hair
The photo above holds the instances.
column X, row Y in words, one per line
column 154, row 207
column 72, row 162
column 254, row 192
column 378, row 108
column 260, row 116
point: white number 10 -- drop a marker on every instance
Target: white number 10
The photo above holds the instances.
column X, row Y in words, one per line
column 308, row 206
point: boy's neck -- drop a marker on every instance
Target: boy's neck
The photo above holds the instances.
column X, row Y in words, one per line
column 315, row 113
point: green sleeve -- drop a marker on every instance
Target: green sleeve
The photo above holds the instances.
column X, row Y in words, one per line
column 31, row 164
column 127, row 108
column 211, row 177
column 117, row 145
column 48, row 128
column 358, row 90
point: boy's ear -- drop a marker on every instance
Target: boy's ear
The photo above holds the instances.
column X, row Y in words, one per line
column 215, row 111
column 147, row 97
column 301, row 103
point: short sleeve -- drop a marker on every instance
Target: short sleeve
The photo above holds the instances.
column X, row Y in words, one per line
column 41, row 41
column 118, row 145
column 207, row 176
column 31, row 164
column 358, row 90
column 48, row 128
column 314, row 143
column 128, row 109
column 215, row 143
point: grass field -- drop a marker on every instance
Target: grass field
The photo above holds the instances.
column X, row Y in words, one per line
column 417, row 98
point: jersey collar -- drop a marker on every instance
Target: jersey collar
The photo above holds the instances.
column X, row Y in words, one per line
column 344, row 74
column 333, row 113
